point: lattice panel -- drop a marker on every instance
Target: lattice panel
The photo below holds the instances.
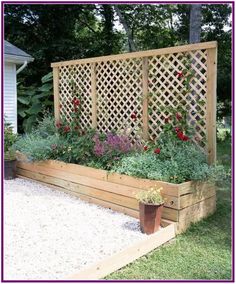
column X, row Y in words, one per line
column 115, row 87
column 168, row 89
column 76, row 79
column 119, row 94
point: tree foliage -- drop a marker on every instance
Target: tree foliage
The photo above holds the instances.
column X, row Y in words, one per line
column 64, row 31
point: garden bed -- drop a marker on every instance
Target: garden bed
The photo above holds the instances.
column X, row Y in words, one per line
column 184, row 203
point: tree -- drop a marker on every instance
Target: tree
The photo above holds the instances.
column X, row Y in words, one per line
column 195, row 23
column 126, row 27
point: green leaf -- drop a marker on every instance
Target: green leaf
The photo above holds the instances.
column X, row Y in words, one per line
column 35, row 108
column 47, row 78
column 22, row 113
column 24, row 100
column 46, row 87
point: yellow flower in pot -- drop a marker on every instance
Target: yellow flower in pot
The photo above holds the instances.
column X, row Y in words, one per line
column 151, row 204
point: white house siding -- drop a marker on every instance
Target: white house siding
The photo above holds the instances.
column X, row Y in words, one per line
column 10, row 94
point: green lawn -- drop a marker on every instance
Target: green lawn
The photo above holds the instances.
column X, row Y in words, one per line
column 202, row 252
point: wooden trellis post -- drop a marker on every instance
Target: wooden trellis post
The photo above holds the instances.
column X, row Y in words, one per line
column 94, row 95
column 145, row 97
column 56, row 93
column 211, row 104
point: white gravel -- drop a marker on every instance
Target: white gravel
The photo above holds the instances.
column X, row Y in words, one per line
column 49, row 234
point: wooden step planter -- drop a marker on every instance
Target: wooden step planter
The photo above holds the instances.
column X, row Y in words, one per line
column 185, row 203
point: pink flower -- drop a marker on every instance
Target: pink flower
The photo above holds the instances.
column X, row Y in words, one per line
column 66, row 129
column 58, row 124
column 177, row 129
column 180, row 74
column 178, row 116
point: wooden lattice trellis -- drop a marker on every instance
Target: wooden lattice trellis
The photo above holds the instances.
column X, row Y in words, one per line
column 113, row 87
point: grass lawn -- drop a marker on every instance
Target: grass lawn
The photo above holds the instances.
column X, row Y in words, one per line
column 202, row 252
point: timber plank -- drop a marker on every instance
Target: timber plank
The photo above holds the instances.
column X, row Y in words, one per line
column 128, row 255
column 203, row 192
column 168, row 188
column 70, row 168
column 161, row 51
column 128, row 191
column 195, row 213
column 109, row 205
column 131, row 203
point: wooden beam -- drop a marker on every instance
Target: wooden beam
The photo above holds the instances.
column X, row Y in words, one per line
column 145, row 97
column 94, row 95
column 211, row 104
column 56, row 93
column 161, row 51
column 119, row 260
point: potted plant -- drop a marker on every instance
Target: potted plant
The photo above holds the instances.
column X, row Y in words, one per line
column 9, row 152
column 151, row 204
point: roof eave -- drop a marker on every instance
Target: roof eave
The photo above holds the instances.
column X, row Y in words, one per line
column 17, row 59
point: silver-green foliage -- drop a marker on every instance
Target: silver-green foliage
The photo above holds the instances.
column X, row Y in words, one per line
column 174, row 164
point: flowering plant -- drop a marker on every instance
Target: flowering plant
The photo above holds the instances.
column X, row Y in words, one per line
column 152, row 196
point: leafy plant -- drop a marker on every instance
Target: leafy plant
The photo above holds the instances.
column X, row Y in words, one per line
column 9, row 140
column 175, row 163
column 33, row 101
column 151, row 196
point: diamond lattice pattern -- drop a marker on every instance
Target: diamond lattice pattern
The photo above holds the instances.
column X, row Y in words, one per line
column 119, row 91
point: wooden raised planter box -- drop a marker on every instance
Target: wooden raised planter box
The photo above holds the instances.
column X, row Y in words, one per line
column 185, row 203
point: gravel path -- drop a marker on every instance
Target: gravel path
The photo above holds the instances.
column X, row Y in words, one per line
column 49, row 234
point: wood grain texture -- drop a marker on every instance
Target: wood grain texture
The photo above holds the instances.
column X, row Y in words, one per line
column 56, row 93
column 168, row 50
column 211, row 104
column 128, row 255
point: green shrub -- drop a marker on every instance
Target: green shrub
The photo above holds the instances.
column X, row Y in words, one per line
column 9, row 140
column 37, row 148
column 175, row 163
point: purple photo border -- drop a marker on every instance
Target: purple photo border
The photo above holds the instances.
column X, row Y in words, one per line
column 2, row 129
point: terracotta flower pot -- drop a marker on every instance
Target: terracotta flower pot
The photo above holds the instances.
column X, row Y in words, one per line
column 9, row 169
column 150, row 217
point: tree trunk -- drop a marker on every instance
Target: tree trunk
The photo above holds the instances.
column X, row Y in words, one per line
column 195, row 23
column 126, row 27
column 107, row 13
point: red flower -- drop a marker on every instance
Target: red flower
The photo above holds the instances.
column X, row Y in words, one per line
column 66, row 129
column 76, row 102
column 178, row 116
column 157, row 151
column 58, row 124
column 145, row 148
column 180, row 74
column 182, row 137
column 134, row 116
column 185, row 138
column 177, row 129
